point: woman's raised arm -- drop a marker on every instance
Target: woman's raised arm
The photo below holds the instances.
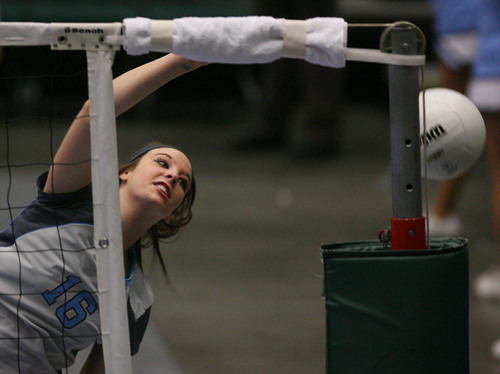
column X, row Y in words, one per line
column 71, row 168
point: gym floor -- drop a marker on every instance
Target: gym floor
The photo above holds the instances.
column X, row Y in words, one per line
column 246, row 275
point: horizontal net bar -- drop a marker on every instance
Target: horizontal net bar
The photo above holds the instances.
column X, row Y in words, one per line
column 232, row 40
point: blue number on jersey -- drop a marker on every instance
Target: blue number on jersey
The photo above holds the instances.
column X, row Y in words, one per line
column 75, row 310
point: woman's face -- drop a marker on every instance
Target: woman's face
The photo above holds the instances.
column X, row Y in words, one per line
column 160, row 179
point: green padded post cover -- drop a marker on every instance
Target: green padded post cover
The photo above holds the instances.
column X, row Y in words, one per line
column 397, row 311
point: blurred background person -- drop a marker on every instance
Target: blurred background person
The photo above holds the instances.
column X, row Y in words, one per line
column 468, row 48
column 455, row 25
column 300, row 101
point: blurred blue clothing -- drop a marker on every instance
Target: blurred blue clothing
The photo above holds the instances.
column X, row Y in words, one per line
column 481, row 17
column 487, row 62
column 452, row 16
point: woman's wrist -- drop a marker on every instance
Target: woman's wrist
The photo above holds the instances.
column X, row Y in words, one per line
column 188, row 64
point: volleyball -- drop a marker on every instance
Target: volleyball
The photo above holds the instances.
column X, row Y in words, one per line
column 454, row 134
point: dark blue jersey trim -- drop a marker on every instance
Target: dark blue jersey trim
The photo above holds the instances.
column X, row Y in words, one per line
column 50, row 210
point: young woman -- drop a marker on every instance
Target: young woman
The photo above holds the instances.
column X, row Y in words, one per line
column 48, row 301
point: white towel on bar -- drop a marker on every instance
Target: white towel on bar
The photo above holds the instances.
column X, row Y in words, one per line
column 326, row 41
column 247, row 40
column 243, row 40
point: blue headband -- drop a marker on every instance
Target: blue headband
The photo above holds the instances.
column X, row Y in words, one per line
column 142, row 151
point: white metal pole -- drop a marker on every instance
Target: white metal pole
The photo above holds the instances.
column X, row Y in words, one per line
column 107, row 218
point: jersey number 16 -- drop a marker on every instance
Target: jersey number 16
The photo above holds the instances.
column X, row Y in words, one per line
column 75, row 310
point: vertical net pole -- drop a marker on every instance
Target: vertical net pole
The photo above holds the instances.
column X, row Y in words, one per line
column 107, row 218
column 407, row 222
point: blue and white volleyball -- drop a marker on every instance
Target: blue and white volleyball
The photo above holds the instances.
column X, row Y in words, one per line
column 454, row 134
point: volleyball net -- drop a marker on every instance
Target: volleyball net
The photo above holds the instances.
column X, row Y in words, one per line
column 231, row 40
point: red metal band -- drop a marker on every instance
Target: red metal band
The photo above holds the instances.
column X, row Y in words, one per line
column 408, row 233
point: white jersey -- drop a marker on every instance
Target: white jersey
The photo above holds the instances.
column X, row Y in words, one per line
column 48, row 289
